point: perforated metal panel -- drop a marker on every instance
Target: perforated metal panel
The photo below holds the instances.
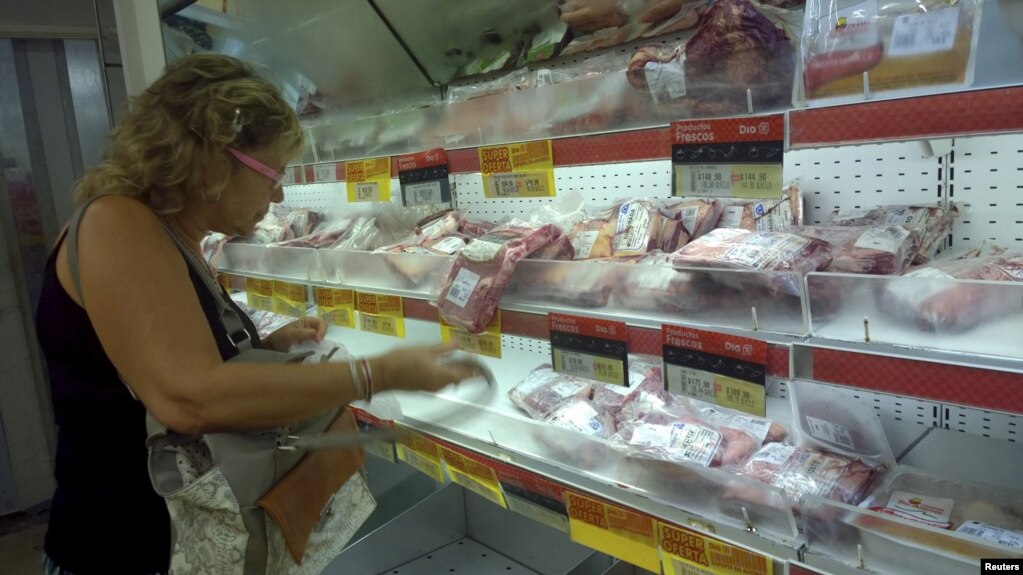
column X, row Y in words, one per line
column 987, row 179
column 539, row 348
column 902, row 409
column 982, row 422
column 853, row 177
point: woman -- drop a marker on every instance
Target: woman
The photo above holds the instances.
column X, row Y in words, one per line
column 201, row 150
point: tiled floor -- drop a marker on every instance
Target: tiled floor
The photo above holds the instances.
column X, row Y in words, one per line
column 21, row 543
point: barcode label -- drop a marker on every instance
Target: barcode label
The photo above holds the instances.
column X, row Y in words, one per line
column 461, row 289
column 924, row 33
column 365, row 191
column 709, row 180
column 992, row 533
column 830, row 432
column 543, row 78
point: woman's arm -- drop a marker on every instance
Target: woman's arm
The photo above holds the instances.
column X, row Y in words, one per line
column 146, row 313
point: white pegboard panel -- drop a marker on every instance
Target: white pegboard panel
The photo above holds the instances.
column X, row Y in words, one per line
column 994, row 424
column 599, row 185
column 900, row 409
column 851, row 177
column 540, row 348
column 777, row 387
column 987, row 180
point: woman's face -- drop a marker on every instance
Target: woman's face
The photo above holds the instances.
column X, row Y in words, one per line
column 247, row 197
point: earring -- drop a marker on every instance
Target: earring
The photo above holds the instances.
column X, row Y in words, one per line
column 236, row 124
column 209, row 200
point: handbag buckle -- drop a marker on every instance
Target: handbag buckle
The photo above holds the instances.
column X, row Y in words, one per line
column 288, row 443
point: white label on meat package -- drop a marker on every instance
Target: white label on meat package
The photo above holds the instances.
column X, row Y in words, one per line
column 905, row 216
column 632, row 231
column 774, row 454
column 696, row 443
column 1012, row 539
column 776, row 218
column 757, row 427
column 666, row 80
column 579, row 416
column 818, row 473
column 830, row 432
column 689, row 218
column 655, row 279
column 480, row 250
column 731, row 217
column 422, row 193
column 651, row 435
column 839, row 218
column 924, row 33
column 885, row 239
column 858, row 29
column 766, row 252
column 566, row 389
column 461, row 289
column 934, row 511
column 449, row 245
column 583, row 243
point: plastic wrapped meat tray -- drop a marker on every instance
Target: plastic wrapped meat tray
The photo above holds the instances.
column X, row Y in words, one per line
column 932, row 223
column 544, row 390
column 879, row 250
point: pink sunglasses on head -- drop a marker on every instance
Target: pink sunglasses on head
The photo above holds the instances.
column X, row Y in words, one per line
column 257, row 166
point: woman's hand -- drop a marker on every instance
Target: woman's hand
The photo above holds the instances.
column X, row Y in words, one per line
column 420, row 369
column 298, row 331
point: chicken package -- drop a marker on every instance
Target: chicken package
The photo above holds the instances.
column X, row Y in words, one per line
column 879, row 250
column 933, row 224
column 544, row 390
column 974, row 511
column 902, row 45
column 802, row 472
column 698, row 215
column 759, row 251
column 942, row 304
column 482, row 271
column 763, row 215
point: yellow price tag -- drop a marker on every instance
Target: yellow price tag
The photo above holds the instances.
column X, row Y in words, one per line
column 335, row 306
column 537, row 513
column 741, row 395
column 259, row 293
column 487, row 343
column 686, row 552
column 225, row 281
column 600, row 368
column 368, row 180
column 729, row 180
column 524, row 170
column 619, row 532
column 422, row 454
column 382, row 449
column 474, row 476
column 383, row 314
column 289, row 299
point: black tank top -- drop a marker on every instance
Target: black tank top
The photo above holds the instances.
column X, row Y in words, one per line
column 105, row 517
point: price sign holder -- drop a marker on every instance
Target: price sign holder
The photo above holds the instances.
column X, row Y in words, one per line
column 321, row 173
column 591, row 348
column 259, row 294
column 614, row 530
column 487, row 343
column 335, row 306
column 474, row 476
column 289, row 299
column 686, row 552
column 368, row 180
column 367, row 422
column 423, row 178
column 382, row 314
column 523, row 170
column 734, row 157
column 727, row 370
column 422, row 454
column 292, row 175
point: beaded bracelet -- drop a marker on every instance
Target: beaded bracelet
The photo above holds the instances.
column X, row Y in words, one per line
column 360, row 388
column 369, row 379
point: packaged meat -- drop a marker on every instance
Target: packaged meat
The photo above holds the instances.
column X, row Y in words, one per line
column 644, row 378
column 657, row 286
column 763, row 215
column 697, row 215
column 474, row 229
column 903, row 46
column 481, row 272
column 559, row 249
column 758, row 251
column 629, row 228
column 976, row 512
column 761, row 429
column 932, row 223
column 937, row 302
column 578, row 284
column 584, row 416
column 213, row 248
column 544, row 390
column 879, row 250
column 803, row 472
column 831, row 419
column 592, row 239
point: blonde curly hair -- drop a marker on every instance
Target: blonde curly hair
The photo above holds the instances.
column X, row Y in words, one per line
column 172, row 143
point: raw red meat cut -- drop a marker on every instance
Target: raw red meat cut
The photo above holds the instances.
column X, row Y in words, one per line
column 544, row 390
column 698, row 215
column 481, row 272
column 763, row 215
column 932, row 223
column 879, row 250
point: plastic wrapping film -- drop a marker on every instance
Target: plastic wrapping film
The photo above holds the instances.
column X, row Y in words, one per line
column 903, row 47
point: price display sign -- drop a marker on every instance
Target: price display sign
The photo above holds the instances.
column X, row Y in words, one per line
column 423, row 178
column 534, row 496
column 616, row 531
column 289, row 299
column 474, row 476
column 487, row 343
column 368, row 180
column 591, row 348
column 292, row 175
column 523, row 170
column 723, row 369
column 383, row 314
column 735, row 157
column 687, row 552
column 320, row 173
column 335, row 306
column 259, row 294
column 225, row 282
column 422, row 454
